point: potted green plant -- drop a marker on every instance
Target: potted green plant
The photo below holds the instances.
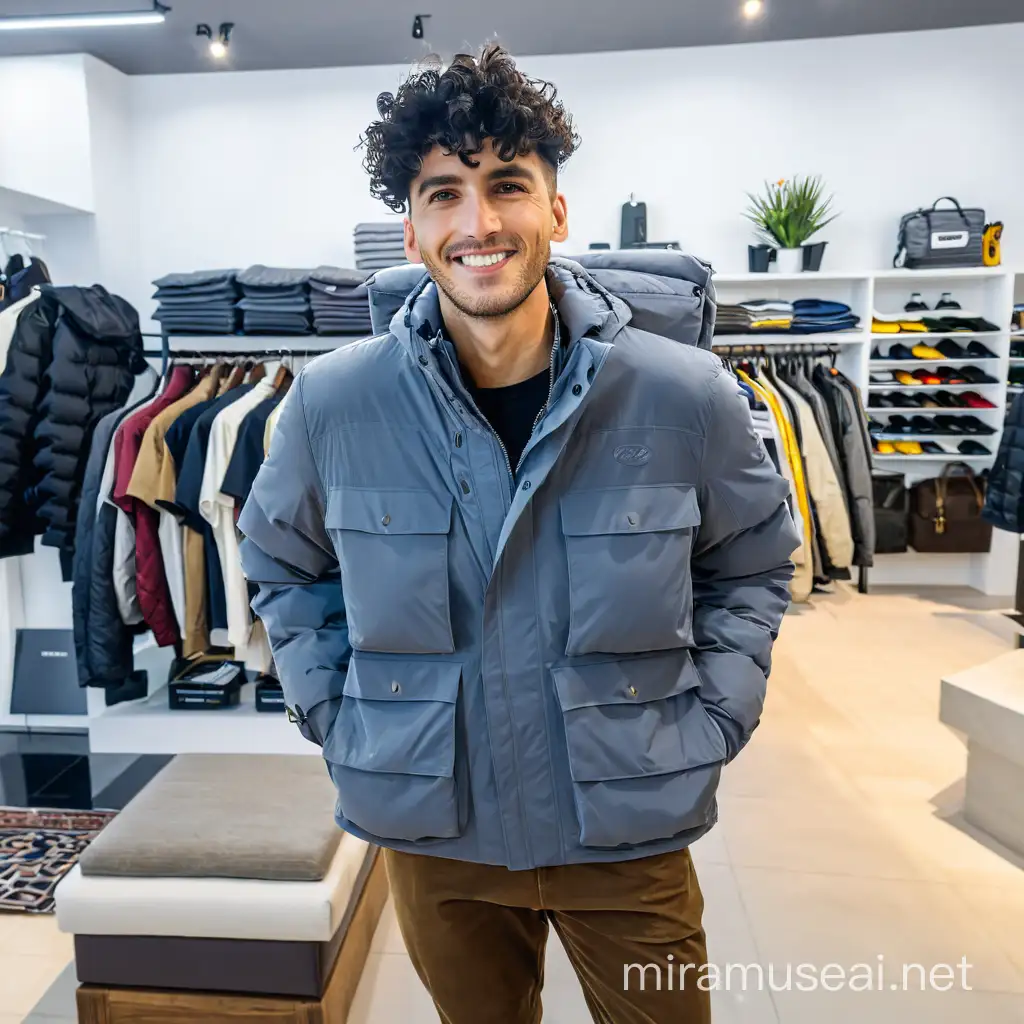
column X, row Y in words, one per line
column 787, row 213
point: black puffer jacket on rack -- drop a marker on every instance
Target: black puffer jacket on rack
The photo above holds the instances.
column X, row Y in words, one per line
column 1004, row 499
column 73, row 358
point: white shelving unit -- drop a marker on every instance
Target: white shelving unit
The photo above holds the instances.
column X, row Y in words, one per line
column 985, row 291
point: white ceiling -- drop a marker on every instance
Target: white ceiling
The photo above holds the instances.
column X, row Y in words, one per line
column 329, row 33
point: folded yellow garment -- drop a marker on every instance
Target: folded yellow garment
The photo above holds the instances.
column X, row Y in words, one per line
column 913, row 325
column 884, row 327
column 926, row 352
column 774, row 325
column 908, row 447
column 906, row 379
column 885, row 448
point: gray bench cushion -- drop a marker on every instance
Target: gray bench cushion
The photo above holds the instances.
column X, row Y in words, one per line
column 224, row 816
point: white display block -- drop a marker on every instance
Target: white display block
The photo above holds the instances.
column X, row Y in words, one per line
column 151, row 727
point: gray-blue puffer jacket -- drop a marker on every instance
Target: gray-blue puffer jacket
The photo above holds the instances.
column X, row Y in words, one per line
column 530, row 668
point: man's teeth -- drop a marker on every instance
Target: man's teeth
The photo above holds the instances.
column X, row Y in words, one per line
column 472, row 260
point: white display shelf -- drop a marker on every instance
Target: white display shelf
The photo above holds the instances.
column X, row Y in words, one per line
column 924, row 388
column 923, row 337
column 784, row 338
column 807, row 277
column 937, row 274
column 948, row 457
column 151, row 727
column 933, row 436
column 903, row 364
column 890, row 410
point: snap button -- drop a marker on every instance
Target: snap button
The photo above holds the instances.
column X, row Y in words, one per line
column 632, row 690
column 590, row 374
column 577, row 389
column 395, row 688
column 424, row 360
column 527, row 485
column 386, row 519
column 465, row 486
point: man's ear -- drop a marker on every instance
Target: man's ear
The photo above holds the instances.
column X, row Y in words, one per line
column 560, row 219
column 412, row 249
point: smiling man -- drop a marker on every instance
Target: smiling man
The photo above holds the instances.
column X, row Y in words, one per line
column 522, row 565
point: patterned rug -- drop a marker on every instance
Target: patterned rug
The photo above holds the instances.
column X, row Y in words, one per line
column 37, row 848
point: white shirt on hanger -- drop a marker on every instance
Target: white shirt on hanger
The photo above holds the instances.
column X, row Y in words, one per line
column 9, row 321
column 218, row 509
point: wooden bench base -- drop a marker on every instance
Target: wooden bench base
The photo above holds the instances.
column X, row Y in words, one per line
column 98, row 1005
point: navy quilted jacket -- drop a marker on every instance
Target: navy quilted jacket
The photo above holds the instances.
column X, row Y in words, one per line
column 1004, row 502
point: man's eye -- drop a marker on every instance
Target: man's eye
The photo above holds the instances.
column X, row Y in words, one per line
column 507, row 187
column 443, row 195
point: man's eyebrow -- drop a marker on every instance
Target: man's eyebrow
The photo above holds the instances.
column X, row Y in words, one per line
column 512, row 170
column 436, row 180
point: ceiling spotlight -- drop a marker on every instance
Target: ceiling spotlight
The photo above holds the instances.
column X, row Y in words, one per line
column 417, row 26
column 752, row 9
column 218, row 43
column 100, row 19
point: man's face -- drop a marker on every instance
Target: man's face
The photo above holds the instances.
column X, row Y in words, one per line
column 506, row 212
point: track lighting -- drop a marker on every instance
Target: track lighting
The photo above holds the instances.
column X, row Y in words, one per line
column 100, row 19
column 218, row 43
column 752, row 9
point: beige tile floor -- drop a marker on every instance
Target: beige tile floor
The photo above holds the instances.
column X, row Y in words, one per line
column 839, row 840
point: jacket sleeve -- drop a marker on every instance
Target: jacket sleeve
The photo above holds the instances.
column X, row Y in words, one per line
column 740, row 565
column 288, row 555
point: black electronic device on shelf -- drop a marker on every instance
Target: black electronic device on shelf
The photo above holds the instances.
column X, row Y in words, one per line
column 210, row 686
column 269, row 695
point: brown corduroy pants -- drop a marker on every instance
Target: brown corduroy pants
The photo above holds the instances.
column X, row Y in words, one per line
column 476, row 935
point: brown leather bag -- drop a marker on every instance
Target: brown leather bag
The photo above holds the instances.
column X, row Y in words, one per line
column 945, row 512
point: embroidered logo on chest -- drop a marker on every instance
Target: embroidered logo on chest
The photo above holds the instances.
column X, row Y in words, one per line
column 632, row 454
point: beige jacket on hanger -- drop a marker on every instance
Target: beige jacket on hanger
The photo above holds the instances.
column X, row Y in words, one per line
column 822, row 482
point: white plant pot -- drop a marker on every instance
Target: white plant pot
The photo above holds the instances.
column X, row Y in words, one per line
column 789, row 261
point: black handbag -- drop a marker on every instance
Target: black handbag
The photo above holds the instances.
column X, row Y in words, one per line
column 945, row 512
column 891, row 508
column 941, row 238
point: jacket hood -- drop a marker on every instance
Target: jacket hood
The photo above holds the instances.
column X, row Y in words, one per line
column 662, row 291
column 97, row 313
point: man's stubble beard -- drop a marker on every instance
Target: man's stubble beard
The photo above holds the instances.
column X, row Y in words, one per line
column 485, row 306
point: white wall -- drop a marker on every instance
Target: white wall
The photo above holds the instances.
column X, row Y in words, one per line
column 44, row 130
column 261, row 167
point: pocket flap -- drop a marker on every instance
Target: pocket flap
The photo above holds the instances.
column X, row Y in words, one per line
column 653, row 677
column 397, row 717
column 387, row 512
column 645, row 509
column 394, row 679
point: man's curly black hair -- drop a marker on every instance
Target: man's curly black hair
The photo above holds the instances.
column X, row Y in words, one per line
column 458, row 109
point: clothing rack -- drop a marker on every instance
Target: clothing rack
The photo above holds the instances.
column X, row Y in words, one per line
column 30, row 236
column 226, row 346
column 814, row 350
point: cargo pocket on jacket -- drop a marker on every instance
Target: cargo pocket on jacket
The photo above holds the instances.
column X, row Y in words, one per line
column 393, row 550
column 628, row 550
column 391, row 752
column 644, row 755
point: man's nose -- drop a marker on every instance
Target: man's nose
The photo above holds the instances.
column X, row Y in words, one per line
column 479, row 218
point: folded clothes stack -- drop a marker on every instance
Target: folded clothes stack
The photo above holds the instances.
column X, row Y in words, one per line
column 276, row 300
column 732, row 320
column 379, row 245
column 815, row 316
column 200, row 302
column 769, row 314
column 339, row 300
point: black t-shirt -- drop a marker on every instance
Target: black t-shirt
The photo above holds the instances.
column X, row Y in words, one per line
column 512, row 411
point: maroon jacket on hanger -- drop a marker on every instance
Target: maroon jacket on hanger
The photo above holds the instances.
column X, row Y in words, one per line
column 150, row 577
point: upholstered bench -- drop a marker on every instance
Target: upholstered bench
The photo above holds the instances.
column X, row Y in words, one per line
column 224, row 892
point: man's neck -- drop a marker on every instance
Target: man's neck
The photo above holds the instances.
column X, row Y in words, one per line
column 499, row 351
